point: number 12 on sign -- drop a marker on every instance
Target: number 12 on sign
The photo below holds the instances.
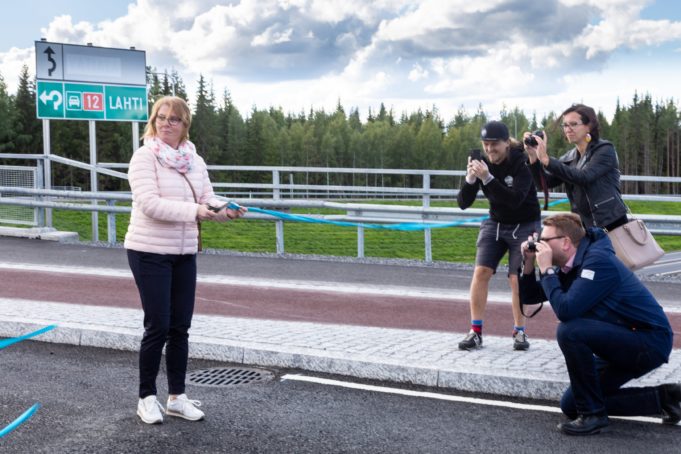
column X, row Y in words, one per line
column 93, row 101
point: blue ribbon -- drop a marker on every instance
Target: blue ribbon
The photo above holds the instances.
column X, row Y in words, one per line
column 407, row 226
column 28, row 413
column 7, row 342
column 20, row 420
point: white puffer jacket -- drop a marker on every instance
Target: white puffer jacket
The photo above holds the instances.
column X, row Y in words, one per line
column 163, row 219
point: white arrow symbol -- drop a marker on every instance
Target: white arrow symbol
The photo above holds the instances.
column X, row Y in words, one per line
column 44, row 97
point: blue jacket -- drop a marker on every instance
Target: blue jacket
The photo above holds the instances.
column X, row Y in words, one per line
column 599, row 286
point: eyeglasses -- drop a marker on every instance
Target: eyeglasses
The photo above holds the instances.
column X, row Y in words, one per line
column 551, row 238
column 172, row 121
column 570, row 125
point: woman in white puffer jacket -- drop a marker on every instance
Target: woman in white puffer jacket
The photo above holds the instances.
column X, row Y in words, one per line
column 171, row 194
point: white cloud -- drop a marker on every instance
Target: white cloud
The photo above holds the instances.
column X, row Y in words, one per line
column 417, row 73
column 270, row 36
column 11, row 63
column 302, row 53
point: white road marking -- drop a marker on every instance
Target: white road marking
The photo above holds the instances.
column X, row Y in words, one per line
column 447, row 397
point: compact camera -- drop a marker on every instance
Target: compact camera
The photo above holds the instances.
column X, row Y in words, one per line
column 532, row 244
column 531, row 141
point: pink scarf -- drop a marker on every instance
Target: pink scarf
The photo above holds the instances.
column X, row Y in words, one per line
column 180, row 159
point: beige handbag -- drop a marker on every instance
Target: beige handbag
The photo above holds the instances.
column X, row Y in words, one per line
column 635, row 245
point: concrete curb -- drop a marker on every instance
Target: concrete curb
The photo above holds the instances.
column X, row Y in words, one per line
column 40, row 233
column 364, row 366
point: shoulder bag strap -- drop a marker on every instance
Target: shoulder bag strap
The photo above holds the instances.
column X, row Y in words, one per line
column 198, row 223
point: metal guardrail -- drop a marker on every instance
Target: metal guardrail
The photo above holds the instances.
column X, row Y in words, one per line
column 281, row 195
column 354, row 212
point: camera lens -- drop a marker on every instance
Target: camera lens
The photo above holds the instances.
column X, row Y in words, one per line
column 532, row 246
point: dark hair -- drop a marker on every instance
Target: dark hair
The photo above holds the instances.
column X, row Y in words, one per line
column 588, row 117
column 568, row 224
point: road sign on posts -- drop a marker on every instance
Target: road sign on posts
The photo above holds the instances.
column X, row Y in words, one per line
column 50, row 99
column 90, row 83
column 126, row 103
column 68, row 101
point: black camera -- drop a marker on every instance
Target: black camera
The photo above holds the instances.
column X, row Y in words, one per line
column 532, row 243
column 531, row 141
column 476, row 154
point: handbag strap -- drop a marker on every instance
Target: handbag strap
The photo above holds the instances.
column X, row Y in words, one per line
column 637, row 223
column 198, row 223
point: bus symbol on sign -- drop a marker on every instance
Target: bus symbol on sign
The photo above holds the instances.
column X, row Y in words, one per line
column 93, row 101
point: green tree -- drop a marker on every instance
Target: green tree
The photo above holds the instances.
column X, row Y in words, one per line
column 155, row 90
column 180, row 89
column 6, row 119
column 203, row 131
column 232, row 131
column 27, row 128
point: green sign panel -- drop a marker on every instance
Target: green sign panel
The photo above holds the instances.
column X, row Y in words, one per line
column 69, row 101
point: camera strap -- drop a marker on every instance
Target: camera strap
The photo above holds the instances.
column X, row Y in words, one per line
column 545, row 188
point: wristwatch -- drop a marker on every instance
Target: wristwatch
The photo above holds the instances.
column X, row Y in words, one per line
column 549, row 272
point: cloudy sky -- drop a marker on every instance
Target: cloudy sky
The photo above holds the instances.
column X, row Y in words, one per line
column 538, row 55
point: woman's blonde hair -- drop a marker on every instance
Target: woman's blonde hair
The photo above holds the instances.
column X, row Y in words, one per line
column 179, row 107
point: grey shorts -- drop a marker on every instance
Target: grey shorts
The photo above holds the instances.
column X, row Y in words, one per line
column 495, row 239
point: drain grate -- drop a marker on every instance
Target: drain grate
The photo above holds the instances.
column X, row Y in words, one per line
column 228, row 376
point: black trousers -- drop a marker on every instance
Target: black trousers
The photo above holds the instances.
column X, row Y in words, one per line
column 167, row 286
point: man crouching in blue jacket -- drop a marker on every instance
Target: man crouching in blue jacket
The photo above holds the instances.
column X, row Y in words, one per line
column 612, row 329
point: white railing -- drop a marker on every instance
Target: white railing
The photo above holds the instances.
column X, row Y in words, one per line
column 278, row 194
column 354, row 212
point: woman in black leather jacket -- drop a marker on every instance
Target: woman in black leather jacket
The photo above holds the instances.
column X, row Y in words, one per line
column 590, row 171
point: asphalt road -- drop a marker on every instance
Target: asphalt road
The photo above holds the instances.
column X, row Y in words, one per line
column 88, row 399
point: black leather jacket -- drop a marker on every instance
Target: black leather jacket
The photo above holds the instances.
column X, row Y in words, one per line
column 592, row 184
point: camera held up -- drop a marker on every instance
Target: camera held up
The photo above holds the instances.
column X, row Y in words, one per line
column 532, row 244
column 476, row 154
column 531, row 141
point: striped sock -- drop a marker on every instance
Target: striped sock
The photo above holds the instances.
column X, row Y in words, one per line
column 476, row 326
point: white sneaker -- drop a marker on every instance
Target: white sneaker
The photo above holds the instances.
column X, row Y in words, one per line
column 149, row 410
column 184, row 408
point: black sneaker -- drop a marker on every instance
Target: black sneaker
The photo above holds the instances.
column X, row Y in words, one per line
column 670, row 400
column 520, row 341
column 472, row 341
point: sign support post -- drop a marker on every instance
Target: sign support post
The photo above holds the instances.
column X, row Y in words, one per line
column 47, row 168
column 93, row 177
column 88, row 83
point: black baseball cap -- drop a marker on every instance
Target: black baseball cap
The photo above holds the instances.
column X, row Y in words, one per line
column 494, row 130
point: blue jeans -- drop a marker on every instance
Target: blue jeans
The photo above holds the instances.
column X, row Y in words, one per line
column 601, row 357
column 167, row 285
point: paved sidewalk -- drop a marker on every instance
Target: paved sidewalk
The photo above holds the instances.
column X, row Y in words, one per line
column 409, row 356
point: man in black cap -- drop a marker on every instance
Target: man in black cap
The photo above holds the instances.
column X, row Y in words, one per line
column 506, row 181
